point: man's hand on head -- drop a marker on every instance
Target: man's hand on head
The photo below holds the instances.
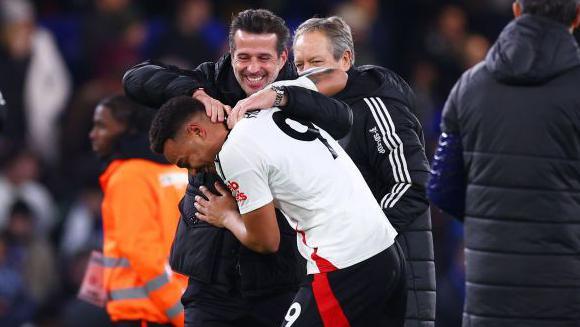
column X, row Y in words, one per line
column 263, row 99
column 214, row 109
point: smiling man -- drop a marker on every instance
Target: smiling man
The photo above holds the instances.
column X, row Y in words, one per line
column 256, row 57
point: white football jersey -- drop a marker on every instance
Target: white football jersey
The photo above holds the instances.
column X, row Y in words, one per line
column 308, row 176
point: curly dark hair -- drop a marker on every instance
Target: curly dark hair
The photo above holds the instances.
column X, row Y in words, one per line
column 260, row 21
column 562, row 11
column 170, row 117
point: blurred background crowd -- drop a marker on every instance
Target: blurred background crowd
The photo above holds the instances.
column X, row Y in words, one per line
column 58, row 58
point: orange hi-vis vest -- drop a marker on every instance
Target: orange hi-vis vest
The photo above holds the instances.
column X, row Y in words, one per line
column 140, row 216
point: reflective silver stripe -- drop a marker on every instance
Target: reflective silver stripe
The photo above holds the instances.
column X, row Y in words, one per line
column 175, row 310
column 140, row 292
column 156, row 283
column 128, row 293
column 110, row 262
column 115, row 262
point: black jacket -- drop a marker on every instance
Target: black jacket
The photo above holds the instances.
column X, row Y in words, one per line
column 153, row 83
column 213, row 255
column 386, row 143
column 518, row 118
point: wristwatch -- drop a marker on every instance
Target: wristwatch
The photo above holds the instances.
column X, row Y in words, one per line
column 279, row 95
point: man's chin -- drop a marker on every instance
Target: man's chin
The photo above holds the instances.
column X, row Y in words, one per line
column 253, row 88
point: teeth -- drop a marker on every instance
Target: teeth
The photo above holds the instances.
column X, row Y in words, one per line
column 254, row 79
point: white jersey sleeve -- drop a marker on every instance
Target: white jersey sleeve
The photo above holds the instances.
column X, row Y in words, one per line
column 302, row 81
column 246, row 175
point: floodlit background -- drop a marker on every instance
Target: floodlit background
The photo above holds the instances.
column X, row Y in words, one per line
column 58, row 58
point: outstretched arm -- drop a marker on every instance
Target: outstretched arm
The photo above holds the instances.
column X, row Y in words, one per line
column 153, row 83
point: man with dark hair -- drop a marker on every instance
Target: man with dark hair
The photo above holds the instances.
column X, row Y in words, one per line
column 141, row 192
column 229, row 284
column 260, row 21
column 508, row 165
column 355, row 268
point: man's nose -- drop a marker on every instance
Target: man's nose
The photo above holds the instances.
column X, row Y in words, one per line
column 254, row 66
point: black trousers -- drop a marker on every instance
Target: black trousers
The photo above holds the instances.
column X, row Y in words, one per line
column 212, row 306
column 139, row 323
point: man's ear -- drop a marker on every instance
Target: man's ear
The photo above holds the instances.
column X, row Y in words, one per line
column 195, row 129
column 346, row 60
column 517, row 9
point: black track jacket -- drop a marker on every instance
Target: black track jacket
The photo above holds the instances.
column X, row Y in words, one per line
column 387, row 145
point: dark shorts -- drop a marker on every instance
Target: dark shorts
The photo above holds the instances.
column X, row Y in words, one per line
column 210, row 306
column 370, row 293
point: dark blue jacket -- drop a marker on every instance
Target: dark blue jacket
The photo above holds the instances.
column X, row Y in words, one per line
column 516, row 118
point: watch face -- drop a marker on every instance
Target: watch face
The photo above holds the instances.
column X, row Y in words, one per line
column 277, row 89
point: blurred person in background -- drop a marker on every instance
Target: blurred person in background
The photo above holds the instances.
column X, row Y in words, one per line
column 423, row 79
column 82, row 227
column 476, row 47
column 16, row 305
column 19, row 180
column 372, row 38
column 141, row 193
column 32, row 255
column 385, row 142
column 185, row 44
column 445, row 44
column 229, row 284
column 112, row 36
column 508, row 166
column 34, row 80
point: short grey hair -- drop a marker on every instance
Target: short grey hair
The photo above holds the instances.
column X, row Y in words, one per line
column 337, row 31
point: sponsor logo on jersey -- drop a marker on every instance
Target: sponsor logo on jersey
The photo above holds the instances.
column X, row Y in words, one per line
column 377, row 138
column 235, row 189
column 252, row 114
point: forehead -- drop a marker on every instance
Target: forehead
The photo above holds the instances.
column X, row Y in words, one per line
column 310, row 44
column 247, row 42
column 102, row 114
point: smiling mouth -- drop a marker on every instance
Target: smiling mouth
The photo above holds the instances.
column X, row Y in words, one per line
column 255, row 81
